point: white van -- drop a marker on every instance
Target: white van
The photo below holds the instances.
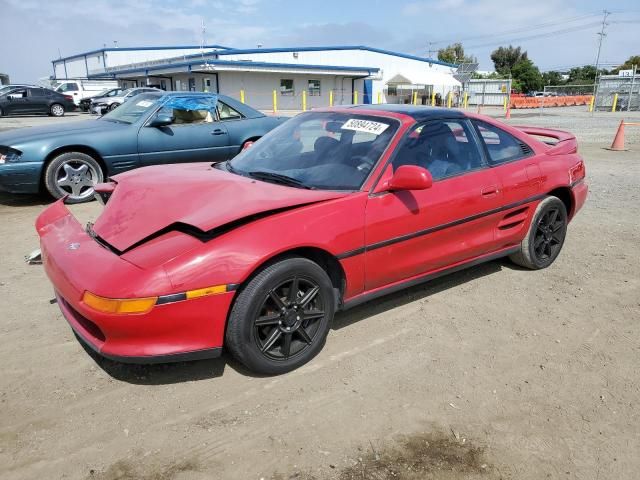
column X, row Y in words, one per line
column 79, row 89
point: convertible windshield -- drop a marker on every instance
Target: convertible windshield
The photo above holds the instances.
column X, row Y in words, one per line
column 329, row 151
column 132, row 110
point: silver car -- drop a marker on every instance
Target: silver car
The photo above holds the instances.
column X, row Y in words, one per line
column 102, row 105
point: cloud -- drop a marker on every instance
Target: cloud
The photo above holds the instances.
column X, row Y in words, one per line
column 61, row 27
column 349, row 33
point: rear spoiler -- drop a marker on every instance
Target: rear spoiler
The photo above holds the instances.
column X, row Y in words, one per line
column 566, row 142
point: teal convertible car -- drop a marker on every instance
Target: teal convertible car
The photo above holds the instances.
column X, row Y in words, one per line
column 150, row 129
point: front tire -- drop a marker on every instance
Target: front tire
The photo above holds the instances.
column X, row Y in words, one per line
column 545, row 237
column 74, row 174
column 113, row 106
column 282, row 316
column 56, row 110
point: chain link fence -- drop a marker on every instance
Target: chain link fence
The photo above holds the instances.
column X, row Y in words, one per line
column 618, row 93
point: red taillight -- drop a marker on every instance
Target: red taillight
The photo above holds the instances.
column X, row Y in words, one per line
column 247, row 145
column 577, row 172
column 68, row 97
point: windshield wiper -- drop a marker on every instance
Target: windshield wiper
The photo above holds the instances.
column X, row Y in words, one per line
column 279, row 178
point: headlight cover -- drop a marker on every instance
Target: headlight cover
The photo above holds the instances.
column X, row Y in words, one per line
column 9, row 155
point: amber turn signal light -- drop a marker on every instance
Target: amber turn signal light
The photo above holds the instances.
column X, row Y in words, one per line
column 118, row 305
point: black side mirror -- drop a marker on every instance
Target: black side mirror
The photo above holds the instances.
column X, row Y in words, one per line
column 161, row 120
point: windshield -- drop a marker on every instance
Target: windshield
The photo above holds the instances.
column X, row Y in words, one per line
column 134, row 109
column 324, row 150
column 109, row 92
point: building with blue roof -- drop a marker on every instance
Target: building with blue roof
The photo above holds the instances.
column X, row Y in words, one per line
column 293, row 76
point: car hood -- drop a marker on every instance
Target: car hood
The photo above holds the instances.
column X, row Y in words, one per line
column 21, row 135
column 196, row 198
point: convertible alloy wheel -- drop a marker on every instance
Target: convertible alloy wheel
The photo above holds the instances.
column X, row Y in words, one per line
column 289, row 318
column 57, row 110
column 546, row 235
column 281, row 316
column 73, row 174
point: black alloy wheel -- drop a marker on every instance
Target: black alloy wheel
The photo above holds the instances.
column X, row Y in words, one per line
column 281, row 316
column 545, row 237
column 549, row 234
column 289, row 318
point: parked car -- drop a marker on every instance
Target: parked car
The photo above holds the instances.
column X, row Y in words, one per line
column 85, row 103
column 153, row 128
column 105, row 104
column 331, row 209
column 35, row 100
column 80, row 89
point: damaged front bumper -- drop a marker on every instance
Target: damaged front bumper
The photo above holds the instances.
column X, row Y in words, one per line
column 174, row 331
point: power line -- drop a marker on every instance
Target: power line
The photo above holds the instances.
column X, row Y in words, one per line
column 535, row 36
column 521, row 29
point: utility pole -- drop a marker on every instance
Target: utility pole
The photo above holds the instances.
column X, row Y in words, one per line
column 431, row 50
column 602, row 34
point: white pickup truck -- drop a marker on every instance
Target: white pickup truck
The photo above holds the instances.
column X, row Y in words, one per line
column 80, row 89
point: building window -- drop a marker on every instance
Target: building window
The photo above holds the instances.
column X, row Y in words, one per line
column 286, row 87
column 392, row 90
column 314, row 88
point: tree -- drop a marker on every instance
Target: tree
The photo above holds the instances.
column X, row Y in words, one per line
column 505, row 58
column 586, row 74
column 527, row 75
column 455, row 54
column 552, row 78
column 628, row 65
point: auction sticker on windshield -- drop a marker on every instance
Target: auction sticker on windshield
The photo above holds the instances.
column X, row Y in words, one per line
column 368, row 126
column 144, row 103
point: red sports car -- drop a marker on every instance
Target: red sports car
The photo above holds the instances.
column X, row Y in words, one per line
column 331, row 209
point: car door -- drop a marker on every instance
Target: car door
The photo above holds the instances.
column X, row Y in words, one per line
column 195, row 135
column 515, row 164
column 37, row 98
column 18, row 102
column 410, row 233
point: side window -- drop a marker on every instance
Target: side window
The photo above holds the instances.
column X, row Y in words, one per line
column 187, row 117
column 18, row 93
column 225, row 112
column 37, row 92
column 286, row 87
column 69, row 87
column 314, row 88
column 444, row 147
column 501, row 146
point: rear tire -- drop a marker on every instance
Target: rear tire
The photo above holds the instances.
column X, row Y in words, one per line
column 545, row 237
column 281, row 317
column 56, row 110
column 113, row 106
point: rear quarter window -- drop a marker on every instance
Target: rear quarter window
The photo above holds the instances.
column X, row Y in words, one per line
column 501, row 146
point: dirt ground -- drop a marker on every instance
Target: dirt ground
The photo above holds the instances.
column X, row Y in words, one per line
column 492, row 373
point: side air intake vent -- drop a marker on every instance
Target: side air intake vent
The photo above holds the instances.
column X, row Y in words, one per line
column 526, row 149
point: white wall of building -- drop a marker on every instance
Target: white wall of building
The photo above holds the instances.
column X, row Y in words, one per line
column 259, row 87
column 418, row 71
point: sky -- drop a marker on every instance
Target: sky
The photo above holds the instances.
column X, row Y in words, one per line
column 556, row 33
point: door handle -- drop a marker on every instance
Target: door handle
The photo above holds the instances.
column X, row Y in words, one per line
column 218, row 131
column 491, row 191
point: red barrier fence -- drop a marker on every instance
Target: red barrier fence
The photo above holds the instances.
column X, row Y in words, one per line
column 537, row 102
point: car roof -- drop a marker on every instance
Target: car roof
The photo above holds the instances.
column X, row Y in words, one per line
column 417, row 112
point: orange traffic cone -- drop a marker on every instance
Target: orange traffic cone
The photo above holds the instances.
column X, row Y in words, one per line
column 618, row 141
column 508, row 114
